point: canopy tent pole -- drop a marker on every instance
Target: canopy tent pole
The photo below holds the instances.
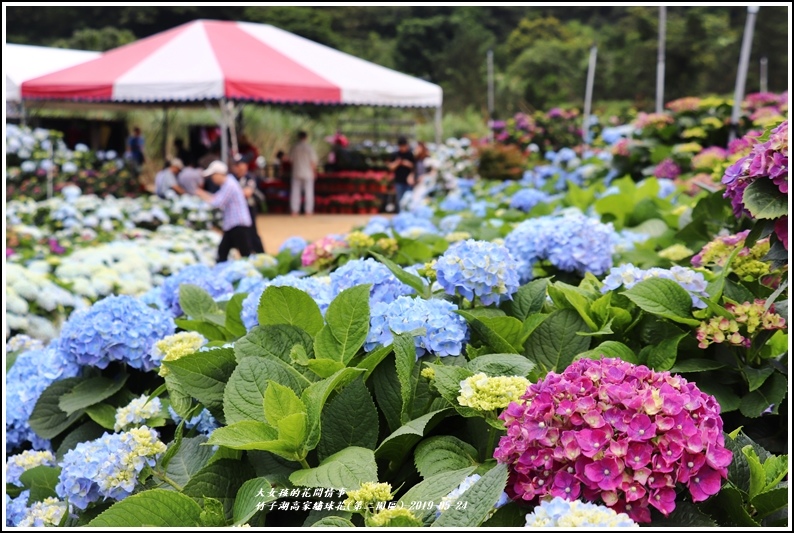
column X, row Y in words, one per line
column 741, row 75
column 439, row 129
column 223, row 123
column 165, row 133
column 764, row 76
column 588, row 97
column 51, row 169
column 232, row 121
column 660, row 60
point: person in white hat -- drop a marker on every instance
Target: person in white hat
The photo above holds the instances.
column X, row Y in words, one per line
column 236, row 217
column 165, row 180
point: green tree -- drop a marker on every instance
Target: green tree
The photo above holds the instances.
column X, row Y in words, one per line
column 100, row 40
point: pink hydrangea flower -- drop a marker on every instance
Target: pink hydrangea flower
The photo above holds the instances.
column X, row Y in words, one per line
column 627, row 450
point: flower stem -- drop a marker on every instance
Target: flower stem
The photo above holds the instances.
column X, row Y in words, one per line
column 304, row 464
column 168, row 480
column 489, row 448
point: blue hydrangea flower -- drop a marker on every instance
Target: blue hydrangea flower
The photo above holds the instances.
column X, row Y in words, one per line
column 625, row 240
column 23, row 343
column 233, row 271
column 571, row 242
column 107, row 467
column 568, row 514
column 423, row 211
column 453, row 203
column 295, row 245
column 526, row 199
column 628, row 276
column 478, row 268
column 315, row 287
column 16, row 465
column 377, row 224
column 154, row 296
column 385, row 286
column 408, row 223
column 250, row 284
column 480, row 208
column 138, row 411
column 445, row 331
column 200, row 275
column 118, row 328
column 204, row 422
column 33, row 371
column 449, row 223
column 16, row 508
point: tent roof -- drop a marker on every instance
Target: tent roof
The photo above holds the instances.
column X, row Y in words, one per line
column 210, row 60
column 23, row 62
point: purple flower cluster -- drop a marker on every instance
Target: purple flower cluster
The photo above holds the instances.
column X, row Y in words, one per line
column 612, row 431
column 667, row 170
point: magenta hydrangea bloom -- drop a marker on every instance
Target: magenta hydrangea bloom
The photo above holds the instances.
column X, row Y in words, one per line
column 616, row 432
column 667, row 169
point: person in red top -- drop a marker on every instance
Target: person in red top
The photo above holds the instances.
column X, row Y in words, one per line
column 248, row 151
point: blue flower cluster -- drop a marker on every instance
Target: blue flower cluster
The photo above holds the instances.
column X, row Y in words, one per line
column 118, row 328
column 526, row 199
column 313, row 286
column 16, row 508
column 377, row 224
column 423, row 211
column 16, row 465
column 454, row 203
column 445, row 331
column 572, row 242
column 250, row 284
column 204, row 422
column 478, row 268
column 385, row 286
column 408, row 224
column 32, row 372
column 107, row 467
column 200, row 275
column 629, row 275
column 154, row 296
column 480, row 208
column 294, row 245
column 233, row 271
column 450, row 223
column 562, row 513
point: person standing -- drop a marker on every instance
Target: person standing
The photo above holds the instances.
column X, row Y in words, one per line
column 165, row 180
column 236, row 217
column 403, row 165
column 135, row 148
column 304, row 170
column 254, row 197
column 190, row 178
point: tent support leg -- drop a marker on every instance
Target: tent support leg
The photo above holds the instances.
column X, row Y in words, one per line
column 224, row 124
column 439, row 129
column 165, row 133
column 232, row 116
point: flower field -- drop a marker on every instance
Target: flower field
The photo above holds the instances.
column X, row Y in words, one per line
column 595, row 341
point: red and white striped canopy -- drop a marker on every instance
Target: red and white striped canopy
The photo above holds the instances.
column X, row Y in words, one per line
column 210, row 60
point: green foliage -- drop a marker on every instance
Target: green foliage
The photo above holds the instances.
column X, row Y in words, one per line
column 151, row 508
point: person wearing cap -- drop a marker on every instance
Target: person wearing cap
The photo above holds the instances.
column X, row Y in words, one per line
column 304, row 170
column 236, row 217
column 253, row 196
column 165, row 180
column 403, row 165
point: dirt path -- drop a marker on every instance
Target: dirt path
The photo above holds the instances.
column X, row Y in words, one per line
column 275, row 229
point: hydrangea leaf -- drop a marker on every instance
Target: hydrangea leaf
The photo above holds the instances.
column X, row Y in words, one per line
column 288, row 305
column 729, row 505
column 233, row 321
column 388, row 395
column 333, row 521
column 180, row 400
column 349, row 419
column 315, row 396
column 695, row 365
column 345, row 469
column 434, row 488
column 244, row 393
column 554, row 343
column 397, row 445
column 189, row 459
column 84, row 432
column 567, row 296
column 511, row 515
column 103, row 414
column 253, row 492
column 480, row 500
column 48, row 420
column 756, row 376
column 769, row 395
column 757, row 472
column 324, row 368
column 273, row 341
column 91, row 391
column 413, row 281
column 196, row 302
column 768, row 502
column 405, row 361
column 764, row 200
column 611, row 349
column 489, row 335
column 501, row 364
column 662, row 357
column 684, row 515
column 204, row 375
column 776, row 468
column 373, row 359
column 220, row 480
column 664, row 298
column 251, row 435
column 280, row 402
column 151, row 508
column 443, row 454
column 41, row 481
column 347, row 325
column 212, row 515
